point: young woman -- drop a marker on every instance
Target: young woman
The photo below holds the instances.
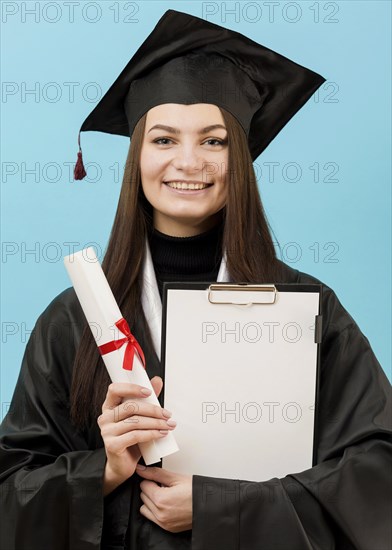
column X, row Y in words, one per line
column 69, row 455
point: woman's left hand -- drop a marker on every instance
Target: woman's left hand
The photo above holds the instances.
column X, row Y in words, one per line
column 169, row 506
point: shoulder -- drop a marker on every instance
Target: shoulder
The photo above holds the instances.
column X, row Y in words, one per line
column 344, row 348
column 65, row 303
column 53, row 342
column 63, row 311
column 335, row 317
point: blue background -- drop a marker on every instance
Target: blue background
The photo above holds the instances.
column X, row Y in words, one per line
column 333, row 224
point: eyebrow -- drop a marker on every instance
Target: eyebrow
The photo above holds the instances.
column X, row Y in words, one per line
column 176, row 131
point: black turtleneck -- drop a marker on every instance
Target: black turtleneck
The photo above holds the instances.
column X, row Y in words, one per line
column 186, row 259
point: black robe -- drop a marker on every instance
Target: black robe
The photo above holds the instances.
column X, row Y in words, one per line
column 51, row 476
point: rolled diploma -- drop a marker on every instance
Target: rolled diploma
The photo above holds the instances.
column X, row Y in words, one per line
column 102, row 312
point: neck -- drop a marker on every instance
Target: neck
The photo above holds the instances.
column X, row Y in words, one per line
column 195, row 258
column 175, row 228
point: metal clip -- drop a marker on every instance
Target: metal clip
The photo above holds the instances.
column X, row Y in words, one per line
column 241, row 287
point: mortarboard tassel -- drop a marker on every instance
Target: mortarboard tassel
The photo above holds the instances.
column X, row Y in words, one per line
column 79, row 171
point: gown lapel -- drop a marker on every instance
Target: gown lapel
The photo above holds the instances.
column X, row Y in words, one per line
column 151, row 300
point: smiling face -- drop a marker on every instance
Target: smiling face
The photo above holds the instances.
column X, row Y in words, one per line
column 183, row 166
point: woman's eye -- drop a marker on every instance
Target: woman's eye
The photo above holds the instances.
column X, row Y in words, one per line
column 164, row 141
column 217, row 141
column 161, row 139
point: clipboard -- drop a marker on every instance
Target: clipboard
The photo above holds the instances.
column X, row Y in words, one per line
column 241, row 377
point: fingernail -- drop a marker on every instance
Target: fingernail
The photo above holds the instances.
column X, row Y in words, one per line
column 166, row 413
column 145, row 391
column 171, row 422
column 141, row 467
column 164, row 432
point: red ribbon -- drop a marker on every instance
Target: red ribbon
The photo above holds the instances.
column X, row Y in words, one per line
column 132, row 345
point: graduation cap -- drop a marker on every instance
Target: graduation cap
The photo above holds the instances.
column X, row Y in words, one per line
column 186, row 60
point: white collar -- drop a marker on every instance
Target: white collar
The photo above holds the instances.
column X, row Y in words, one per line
column 151, row 300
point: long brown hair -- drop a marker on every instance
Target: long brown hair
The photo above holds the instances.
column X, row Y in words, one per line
column 247, row 240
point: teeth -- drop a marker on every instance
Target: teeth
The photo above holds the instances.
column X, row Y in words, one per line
column 182, row 185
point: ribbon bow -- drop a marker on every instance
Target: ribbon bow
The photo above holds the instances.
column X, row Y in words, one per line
column 132, row 345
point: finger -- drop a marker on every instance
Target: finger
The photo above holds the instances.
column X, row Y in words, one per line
column 117, row 391
column 135, row 423
column 133, row 407
column 150, row 504
column 157, row 474
column 151, row 489
column 117, row 445
column 130, row 407
column 149, row 515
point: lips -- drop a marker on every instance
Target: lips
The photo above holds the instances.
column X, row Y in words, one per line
column 187, row 192
column 187, row 185
column 186, row 182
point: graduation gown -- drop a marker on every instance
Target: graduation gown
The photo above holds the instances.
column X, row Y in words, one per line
column 51, row 476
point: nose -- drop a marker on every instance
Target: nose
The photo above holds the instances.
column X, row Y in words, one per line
column 187, row 159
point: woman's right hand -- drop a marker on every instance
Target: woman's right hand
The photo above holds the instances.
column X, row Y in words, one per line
column 125, row 424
